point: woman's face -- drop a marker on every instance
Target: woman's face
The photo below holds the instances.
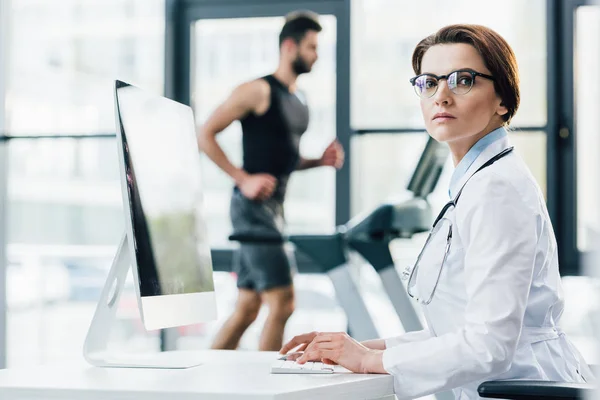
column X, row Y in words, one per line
column 466, row 117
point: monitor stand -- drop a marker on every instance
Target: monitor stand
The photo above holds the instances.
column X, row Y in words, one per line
column 95, row 349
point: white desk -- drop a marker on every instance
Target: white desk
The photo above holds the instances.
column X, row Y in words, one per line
column 225, row 375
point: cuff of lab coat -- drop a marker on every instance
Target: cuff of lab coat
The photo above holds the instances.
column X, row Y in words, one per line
column 414, row 336
column 390, row 360
column 391, row 342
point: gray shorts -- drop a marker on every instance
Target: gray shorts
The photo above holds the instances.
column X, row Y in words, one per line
column 259, row 267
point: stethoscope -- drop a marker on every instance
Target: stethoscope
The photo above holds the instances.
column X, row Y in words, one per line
column 411, row 273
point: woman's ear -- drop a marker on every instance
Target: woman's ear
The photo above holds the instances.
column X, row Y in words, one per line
column 501, row 109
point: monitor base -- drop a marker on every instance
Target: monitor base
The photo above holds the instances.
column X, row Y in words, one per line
column 96, row 342
column 159, row 360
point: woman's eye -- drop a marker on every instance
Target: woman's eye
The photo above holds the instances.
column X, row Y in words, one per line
column 465, row 81
column 430, row 83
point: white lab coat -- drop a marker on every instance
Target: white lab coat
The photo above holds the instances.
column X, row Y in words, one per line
column 496, row 311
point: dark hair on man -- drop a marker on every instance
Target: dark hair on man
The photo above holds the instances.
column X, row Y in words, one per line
column 495, row 51
column 297, row 23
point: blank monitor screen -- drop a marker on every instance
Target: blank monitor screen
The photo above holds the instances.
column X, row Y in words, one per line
column 163, row 203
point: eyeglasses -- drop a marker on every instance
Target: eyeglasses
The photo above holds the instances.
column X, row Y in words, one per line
column 459, row 82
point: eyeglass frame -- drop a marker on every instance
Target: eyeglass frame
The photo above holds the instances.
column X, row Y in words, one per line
column 473, row 73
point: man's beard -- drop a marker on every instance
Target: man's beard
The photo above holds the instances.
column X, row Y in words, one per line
column 300, row 66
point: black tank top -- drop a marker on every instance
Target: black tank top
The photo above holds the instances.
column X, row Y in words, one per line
column 271, row 142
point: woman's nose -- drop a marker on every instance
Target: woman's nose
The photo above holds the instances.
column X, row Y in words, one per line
column 443, row 95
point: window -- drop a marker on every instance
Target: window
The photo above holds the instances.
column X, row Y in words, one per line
column 382, row 97
column 382, row 165
column 385, row 32
column 63, row 196
column 246, row 49
column 587, row 92
column 75, row 50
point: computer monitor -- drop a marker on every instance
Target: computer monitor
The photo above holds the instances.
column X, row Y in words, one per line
column 162, row 201
column 165, row 240
column 429, row 168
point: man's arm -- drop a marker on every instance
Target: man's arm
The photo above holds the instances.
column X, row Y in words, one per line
column 248, row 97
column 244, row 99
column 308, row 163
column 333, row 156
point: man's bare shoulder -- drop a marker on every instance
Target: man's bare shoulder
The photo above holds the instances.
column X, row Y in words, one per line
column 257, row 89
column 255, row 95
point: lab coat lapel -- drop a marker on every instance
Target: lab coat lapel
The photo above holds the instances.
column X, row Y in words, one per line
column 490, row 151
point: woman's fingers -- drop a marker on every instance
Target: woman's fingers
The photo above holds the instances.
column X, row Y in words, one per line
column 303, row 347
column 319, row 354
column 298, row 340
column 316, row 350
column 317, row 341
column 323, row 337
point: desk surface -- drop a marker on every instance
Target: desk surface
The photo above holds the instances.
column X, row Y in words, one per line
column 224, row 375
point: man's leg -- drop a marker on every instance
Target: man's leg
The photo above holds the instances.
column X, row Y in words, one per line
column 246, row 310
column 280, row 301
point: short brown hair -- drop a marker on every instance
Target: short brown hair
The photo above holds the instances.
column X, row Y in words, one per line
column 495, row 51
column 297, row 23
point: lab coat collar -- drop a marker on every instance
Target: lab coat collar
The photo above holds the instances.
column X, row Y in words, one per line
column 459, row 178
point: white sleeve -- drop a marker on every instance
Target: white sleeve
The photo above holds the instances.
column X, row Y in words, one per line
column 415, row 336
column 499, row 234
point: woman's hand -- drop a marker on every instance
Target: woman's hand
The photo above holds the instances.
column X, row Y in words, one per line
column 336, row 348
column 300, row 340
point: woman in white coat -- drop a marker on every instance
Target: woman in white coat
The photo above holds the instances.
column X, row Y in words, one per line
column 488, row 275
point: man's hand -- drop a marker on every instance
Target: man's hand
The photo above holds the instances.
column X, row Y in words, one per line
column 333, row 156
column 257, row 186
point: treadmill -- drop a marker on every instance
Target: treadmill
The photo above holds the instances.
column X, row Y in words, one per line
column 370, row 235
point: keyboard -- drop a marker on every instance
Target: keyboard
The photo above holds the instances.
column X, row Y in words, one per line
column 284, row 366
